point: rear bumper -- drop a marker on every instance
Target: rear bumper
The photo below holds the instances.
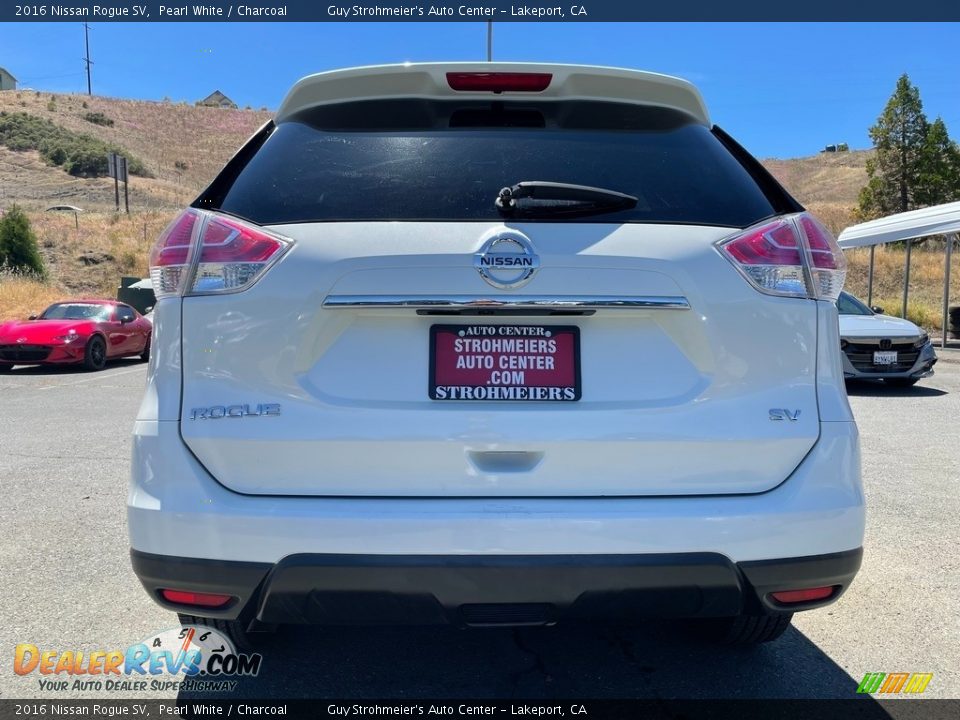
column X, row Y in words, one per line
column 176, row 509
column 493, row 590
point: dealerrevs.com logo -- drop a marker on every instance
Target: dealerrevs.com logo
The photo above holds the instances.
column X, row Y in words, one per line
column 900, row 683
column 192, row 658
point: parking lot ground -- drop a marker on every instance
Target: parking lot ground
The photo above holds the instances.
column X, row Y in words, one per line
column 67, row 584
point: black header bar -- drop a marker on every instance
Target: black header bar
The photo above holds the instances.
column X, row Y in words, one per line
column 476, row 10
column 864, row 708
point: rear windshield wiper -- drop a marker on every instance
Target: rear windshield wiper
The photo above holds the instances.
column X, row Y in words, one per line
column 542, row 198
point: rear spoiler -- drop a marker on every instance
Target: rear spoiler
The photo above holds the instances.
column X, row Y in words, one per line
column 430, row 81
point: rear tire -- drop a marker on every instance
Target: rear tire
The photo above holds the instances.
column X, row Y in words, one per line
column 95, row 354
column 745, row 630
column 954, row 323
column 236, row 630
column 5, row 367
column 901, row 382
column 145, row 355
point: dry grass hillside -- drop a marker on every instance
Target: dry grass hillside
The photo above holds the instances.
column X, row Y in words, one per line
column 827, row 183
column 184, row 146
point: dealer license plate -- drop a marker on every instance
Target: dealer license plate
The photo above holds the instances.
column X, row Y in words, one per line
column 885, row 357
column 527, row 363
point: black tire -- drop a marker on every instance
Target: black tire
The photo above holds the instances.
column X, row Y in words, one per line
column 746, row 629
column 901, row 382
column 953, row 326
column 5, row 367
column 236, row 630
column 145, row 355
column 95, row 354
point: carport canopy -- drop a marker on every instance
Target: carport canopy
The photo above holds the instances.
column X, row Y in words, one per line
column 68, row 208
column 904, row 227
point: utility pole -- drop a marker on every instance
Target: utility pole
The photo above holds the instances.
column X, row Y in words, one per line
column 489, row 40
column 126, row 185
column 116, row 179
column 86, row 59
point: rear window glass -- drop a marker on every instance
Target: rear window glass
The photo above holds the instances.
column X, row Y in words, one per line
column 848, row 305
column 448, row 162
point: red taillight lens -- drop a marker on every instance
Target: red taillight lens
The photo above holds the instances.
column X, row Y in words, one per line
column 232, row 254
column 227, row 241
column 788, row 597
column 499, row 81
column 778, row 256
column 774, row 244
column 171, row 254
column 828, row 265
column 198, row 599
column 820, row 243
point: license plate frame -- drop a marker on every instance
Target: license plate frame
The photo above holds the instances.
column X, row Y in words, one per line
column 566, row 387
column 885, row 357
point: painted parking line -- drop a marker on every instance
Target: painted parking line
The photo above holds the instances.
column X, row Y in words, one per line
column 90, row 379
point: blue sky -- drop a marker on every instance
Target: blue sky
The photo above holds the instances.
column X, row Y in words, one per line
column 783, row 90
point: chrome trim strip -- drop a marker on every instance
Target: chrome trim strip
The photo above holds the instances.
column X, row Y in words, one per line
column 516, row 302
column 875, row 340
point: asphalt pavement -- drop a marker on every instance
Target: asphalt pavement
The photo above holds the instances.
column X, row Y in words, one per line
column 67, row 584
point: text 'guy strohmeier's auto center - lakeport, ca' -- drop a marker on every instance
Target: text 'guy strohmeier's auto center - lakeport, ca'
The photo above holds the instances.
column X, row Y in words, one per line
column 279, row 11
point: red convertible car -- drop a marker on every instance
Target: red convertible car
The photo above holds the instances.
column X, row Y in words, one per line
column 87, row 332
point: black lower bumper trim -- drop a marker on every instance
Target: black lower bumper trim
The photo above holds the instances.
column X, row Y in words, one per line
column 767, row 576
column 492, row 589
column 240, row 580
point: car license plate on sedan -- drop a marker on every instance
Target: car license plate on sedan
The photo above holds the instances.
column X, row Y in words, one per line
column 885, row 357
column 505, row 362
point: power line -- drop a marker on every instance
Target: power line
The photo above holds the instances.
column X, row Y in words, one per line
column 86, row 59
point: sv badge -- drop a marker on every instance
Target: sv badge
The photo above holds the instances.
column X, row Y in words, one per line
column 784, row 414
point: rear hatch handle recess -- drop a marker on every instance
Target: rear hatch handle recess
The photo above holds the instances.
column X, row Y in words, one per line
column 540, row 197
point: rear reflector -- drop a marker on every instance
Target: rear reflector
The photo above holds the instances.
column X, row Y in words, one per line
column 203, row 252
column 499, row 82
column 788, row 597
column 794, row 256
column 198, row 599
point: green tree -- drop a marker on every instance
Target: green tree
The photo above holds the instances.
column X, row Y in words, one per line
column 18, row 244
column 900, row 137
column 939, row 180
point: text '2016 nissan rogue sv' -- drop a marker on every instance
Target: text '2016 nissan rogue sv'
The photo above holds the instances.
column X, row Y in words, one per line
column 495, row 344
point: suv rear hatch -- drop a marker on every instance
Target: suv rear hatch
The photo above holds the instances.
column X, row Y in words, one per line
column 400, row 342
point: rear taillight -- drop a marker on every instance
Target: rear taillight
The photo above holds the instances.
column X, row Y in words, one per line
column 794, row 256
column 203, row 252
column 171, row 254
column 828, row 266
column 498, row 82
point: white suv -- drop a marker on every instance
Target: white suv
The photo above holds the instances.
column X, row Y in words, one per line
column 495, row 344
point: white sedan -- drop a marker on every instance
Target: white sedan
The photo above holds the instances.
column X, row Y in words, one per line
column 877, row 346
